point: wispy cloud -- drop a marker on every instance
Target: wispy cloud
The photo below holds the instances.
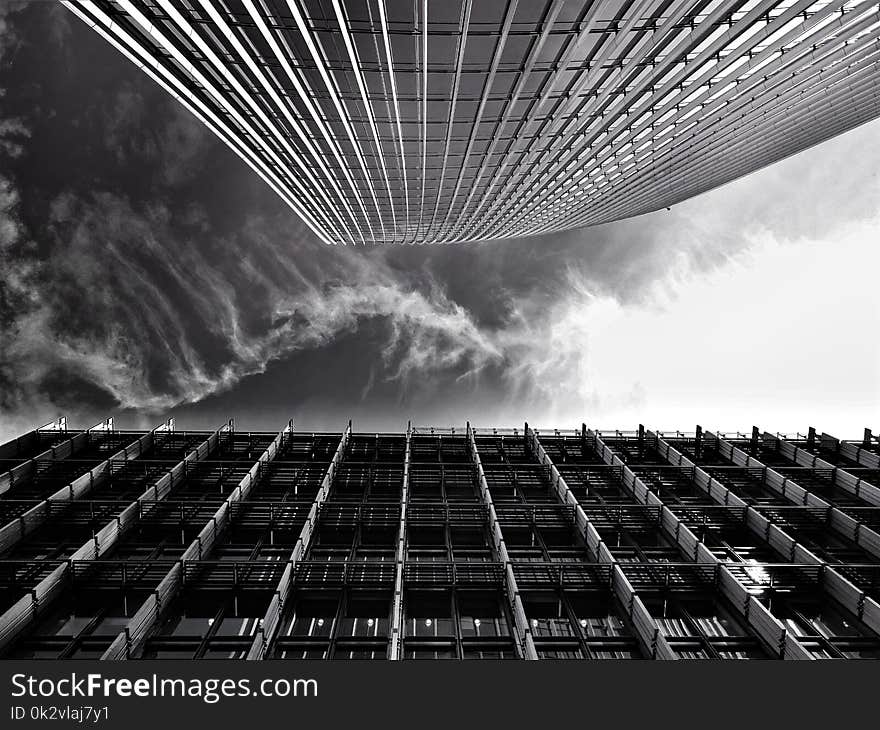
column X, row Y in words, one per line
column 154, row 313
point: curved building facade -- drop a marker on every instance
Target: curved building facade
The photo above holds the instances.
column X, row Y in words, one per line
column 422, row 121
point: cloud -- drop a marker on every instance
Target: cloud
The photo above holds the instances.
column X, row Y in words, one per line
column 145, row 307
column 155, row 311
column 777, row 336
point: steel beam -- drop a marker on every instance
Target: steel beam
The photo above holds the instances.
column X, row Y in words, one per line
column 395, row 646
column 525, row 644
column 270, row 623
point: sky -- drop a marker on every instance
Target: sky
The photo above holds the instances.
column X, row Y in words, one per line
column 146, row 272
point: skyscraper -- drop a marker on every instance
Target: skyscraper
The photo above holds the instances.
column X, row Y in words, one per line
column 422, row 121
column 436, row 543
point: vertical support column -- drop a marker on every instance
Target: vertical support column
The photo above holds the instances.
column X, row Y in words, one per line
column 647, row 630
column 129, row 641
column 525, row 645
column 26, row 610
column 395, row 647
column 270, row 623
column 811, row 438
column 30, row 520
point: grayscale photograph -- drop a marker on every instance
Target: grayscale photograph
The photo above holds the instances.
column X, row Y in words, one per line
column 436, row 329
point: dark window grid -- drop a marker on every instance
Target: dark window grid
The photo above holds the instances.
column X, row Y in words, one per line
column 364, row 481
column 308, row 448
column 458, row 620
column 784, row 588
column 826, row 450
column 71, row 522
column 705, row 455
column 442, row 532
column 98, row 446
column 701, row 625
column 64, row 639
column 429, row 542
column 378, row 448
column 465, row 514
column 569, row 450
column 807, row 526
column 747, row 483
column 633, row 551
column 339, row 621
column 450, row 449
column 519, row 483
column 276, row 509
column 242, row 446
column 32, row 444
column 594, row 484
column 352, row 533
column 673, row 484
column 504, row 449
column 641, row 537
column 821, row 483
column 721, row 526
column 200, row 620
column 174, row 445
column 633, row 450
column 585, row 624
column 49, row 476
column 46, row 547
column 291, row 480
column 561, row 542
column 442, row 483
column 825, row 627
column 631, row 531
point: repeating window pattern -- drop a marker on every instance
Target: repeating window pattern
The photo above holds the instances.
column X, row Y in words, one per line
column 438, row 544
column 419, row 122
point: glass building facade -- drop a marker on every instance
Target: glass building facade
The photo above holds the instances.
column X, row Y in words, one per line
column 422, row 121
column 438, row 544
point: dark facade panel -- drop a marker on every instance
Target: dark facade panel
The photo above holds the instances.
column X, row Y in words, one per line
column 440, row 544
